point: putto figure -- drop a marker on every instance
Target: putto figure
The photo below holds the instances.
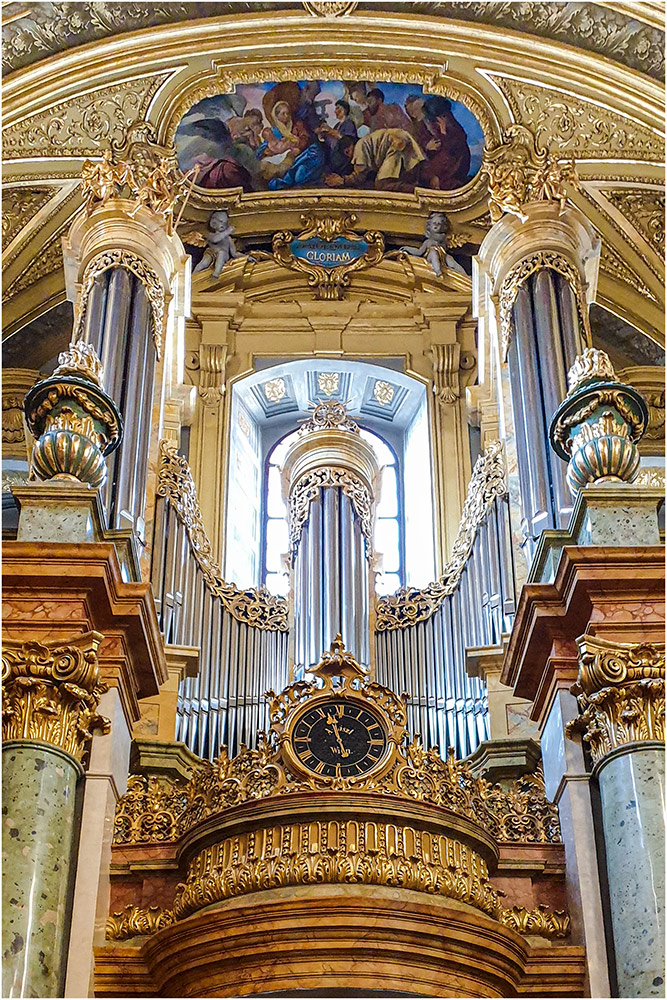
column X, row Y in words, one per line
column 161, row 190
column 219, row 244
column 102, row 180
column 434, row 247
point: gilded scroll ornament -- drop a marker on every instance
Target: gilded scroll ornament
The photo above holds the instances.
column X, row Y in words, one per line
column 330, row 414
column 578, row 127
column 308, row 488
column 330, row 8
column 255, row 607
column 136, row 920
column 140, row 269
column 51, row 691
column 410, row 605
column 19, row 206
column 645, row 210
column 327, row 250
column 445, row 359
column 520, row 172
column 520, row 273
column 621, row 694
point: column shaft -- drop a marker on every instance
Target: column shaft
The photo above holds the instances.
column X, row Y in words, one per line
column 632, row 792
column 39, row 832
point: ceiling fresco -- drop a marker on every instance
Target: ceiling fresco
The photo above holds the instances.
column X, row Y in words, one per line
column 38, row 30
column 335, row 134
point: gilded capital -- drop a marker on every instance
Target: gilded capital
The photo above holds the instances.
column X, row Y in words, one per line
column 621, row 694
column 51, row 691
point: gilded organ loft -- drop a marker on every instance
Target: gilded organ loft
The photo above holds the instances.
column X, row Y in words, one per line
column 333, row 482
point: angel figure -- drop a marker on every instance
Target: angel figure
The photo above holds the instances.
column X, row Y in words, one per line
column 434, row 247
column 219, row 244
column 161, row 190
column 101, row 180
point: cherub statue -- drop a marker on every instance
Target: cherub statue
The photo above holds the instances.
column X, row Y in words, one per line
column 102, row 179
column 219, row 244
column 434, row 247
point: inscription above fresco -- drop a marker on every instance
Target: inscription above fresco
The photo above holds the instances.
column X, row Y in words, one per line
column 333, row 134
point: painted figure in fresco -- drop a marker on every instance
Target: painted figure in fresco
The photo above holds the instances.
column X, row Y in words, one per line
column 380, row 115
column 389, row 158
column 304, row 134
column 219, row 244
column 448, row 152
column 434, row 247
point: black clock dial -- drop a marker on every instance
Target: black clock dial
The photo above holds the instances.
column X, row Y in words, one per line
column 339, row 739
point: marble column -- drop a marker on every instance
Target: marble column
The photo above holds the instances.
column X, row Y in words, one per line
column 51, row 694
column 39, row 809
column 621, row 689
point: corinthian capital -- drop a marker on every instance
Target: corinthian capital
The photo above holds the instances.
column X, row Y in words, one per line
column 51, row 691
column 621, row 694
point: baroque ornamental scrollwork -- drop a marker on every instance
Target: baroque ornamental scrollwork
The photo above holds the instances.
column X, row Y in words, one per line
column 620, row 690
column 520, row 273
column 410, row 605
column 308, row 488
column 256, row 607
column 134, row 921
column 328, row 251
column 520, row 172
column 540, row 920
column 140, row 269
column 51, row 692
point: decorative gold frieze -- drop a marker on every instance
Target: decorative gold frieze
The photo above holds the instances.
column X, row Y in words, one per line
column 644, row 208
column 578, row 127
column 135, row 920
column 46, row 260
column 253, row 606
column 621, row 694
column 51, row 691
column 308, row 488
column 84, row 124
column 19, row 205
column 330, row 8
column 520, row 273
column 540, row 920
column 519, row 172
column 140, row 269
column 337, row 851
column 613, row 264
column 409, row 604
column 151, row 811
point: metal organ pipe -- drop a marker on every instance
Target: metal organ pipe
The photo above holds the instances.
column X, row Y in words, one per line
column 329, row 480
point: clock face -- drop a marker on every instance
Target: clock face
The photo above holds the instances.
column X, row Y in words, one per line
column 339, row 739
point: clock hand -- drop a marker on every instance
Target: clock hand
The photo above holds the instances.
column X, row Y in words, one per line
column 344, row 752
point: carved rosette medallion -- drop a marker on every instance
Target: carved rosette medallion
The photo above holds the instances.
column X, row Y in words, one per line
column 51, row 691
column 621, row 694
column 596, row 427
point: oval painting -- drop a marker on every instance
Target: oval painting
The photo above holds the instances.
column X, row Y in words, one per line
column 333, row 134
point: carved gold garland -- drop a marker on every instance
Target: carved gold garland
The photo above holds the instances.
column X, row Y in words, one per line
column 621, row 694
column 308, row 488
column 337, row 851
column 51, row 691
column 256, row 607
column 520, row 273
column 410, row 605
column 141, row 270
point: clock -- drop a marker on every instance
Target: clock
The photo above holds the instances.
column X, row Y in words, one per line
column 339, row 739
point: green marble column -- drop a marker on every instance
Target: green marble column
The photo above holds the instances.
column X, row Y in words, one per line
column 39, row 832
